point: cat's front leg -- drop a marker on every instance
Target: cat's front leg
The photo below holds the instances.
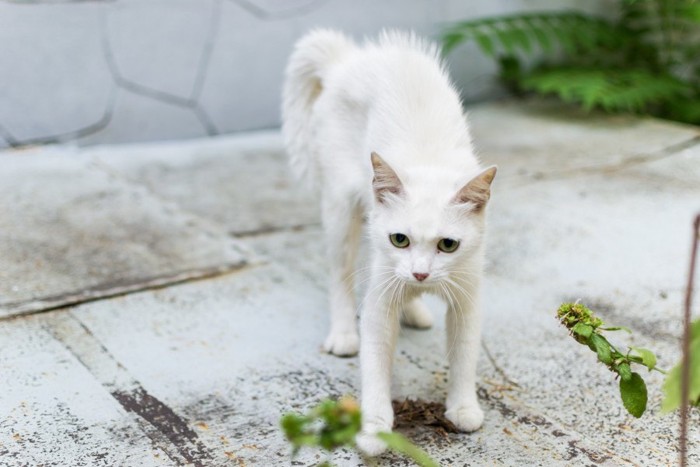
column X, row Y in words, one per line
column 463, row 341
column 379, row 324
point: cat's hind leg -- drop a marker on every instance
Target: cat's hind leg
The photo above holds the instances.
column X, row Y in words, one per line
column 416, row 314
column 342, row 223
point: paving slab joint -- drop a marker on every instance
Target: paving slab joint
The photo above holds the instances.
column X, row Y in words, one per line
column 668, row 151
column 39, row 305
column 507, row 379
column 166, row 429
column 631, row 161
column 272, row 230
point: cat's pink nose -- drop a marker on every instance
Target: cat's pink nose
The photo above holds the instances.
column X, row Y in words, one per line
column 421, row 276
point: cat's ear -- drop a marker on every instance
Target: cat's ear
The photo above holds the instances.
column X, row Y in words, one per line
column 385, row 179
column 478, row 190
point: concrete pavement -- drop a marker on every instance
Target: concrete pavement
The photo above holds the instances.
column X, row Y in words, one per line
column 164, row 304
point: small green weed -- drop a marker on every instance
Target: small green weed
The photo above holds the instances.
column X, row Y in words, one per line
column 587, row 329
column 333, row 425
column 672, row 385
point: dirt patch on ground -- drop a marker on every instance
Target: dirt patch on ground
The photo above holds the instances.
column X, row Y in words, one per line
column 412, row 413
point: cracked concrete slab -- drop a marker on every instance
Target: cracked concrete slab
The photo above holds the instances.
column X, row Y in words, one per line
column 617, row 240
column 217, row 378
column 215, row 354
column 205, row 369
column 678, row 170
column 57, row 100
column 52, row 410
column 513, row 426
column 565, row 406
column 71, row 232
column 213, row 179
column 543, row 138
column 233, row 403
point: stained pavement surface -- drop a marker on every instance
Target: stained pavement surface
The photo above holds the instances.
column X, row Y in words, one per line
column 164, row 304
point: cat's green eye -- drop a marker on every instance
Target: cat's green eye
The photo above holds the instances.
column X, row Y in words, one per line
column 448, row 245
column 399, row 240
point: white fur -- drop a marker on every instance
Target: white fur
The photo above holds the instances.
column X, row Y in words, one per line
column 393, row 97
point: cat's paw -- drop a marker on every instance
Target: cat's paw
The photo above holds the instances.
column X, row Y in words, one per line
column 417, row 315
column 369, row 444
column 467, row 418
column 342, row 344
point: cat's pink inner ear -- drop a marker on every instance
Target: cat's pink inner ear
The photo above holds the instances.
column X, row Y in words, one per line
column 385, row 180
column 478, row 190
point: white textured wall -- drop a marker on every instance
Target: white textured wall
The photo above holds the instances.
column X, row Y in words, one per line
column 96, row 71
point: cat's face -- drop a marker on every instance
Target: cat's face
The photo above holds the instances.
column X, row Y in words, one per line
column 427, row 232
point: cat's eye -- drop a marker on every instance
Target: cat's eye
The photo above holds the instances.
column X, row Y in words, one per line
column 399, row 240
column 448, row 245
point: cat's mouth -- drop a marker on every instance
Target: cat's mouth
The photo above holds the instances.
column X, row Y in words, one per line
column 426, row 282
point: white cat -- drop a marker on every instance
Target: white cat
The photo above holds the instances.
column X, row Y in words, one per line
column 379, row 129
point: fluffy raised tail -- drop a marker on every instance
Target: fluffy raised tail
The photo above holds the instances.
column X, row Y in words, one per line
column 313, row 54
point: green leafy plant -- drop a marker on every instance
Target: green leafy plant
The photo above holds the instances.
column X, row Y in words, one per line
column 672, row 384
column 587, row 329
column 330, row 425
column 647, row 60
column 335, row 424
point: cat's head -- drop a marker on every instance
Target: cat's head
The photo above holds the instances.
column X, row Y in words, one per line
column 428, row 227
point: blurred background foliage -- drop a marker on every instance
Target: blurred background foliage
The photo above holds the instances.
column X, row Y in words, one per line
column 646, row 60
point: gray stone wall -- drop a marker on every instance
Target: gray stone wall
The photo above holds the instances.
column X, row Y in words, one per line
column 100, row 71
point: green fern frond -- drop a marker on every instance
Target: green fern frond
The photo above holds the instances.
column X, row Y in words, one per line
column 645, row 60
column 685, row 110
column 609, row 89
column 669, row 26
column 689, row 11
column 529, row 33
column 651, row 11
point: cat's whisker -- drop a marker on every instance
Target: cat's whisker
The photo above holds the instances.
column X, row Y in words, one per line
column 466, row 271
column 377, row 286
column 387, row 284
column 393, row 298
column 462, row 291
column 367, row 275
column 456, row 303
column 445, row 294
column 401, row 296
column 363, row 271
column 455, row 308
column 367, row 279
column 464, row 277
column 464, row 274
